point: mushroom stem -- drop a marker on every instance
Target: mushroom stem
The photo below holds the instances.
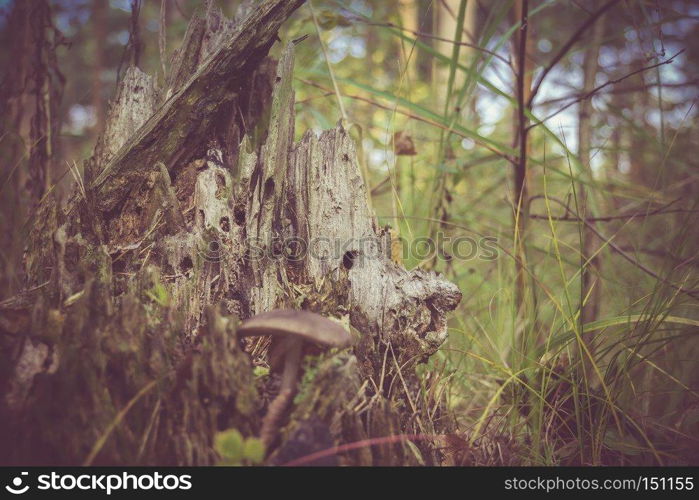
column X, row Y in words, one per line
column 289, row 330
column 275, row 411
column 291, row 363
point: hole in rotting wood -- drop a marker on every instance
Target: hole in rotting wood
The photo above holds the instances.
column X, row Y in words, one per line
column 220, row 186
column 220, row 180
column 269, row 188
column 225, row 224
column 239, row 214
column 186, row 265
column 348, row 258
column 119, row 265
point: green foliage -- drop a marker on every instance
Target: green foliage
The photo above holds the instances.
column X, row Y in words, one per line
column 159, row 295
column 525, row 371
column 234, row 449
column 521, row 370
column 329, row 19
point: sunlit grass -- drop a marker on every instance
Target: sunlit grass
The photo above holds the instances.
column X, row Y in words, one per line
column 536, row 385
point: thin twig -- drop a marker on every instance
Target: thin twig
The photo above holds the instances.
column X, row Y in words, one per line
column 624, row 90
column 115, row 423
column 327, row 62
column 422, row 34
column 412, row 116
column 617, row 249
column 567, row 218
column 606, row 84
column 567, row 46
column 364, row 443
column 613, row 217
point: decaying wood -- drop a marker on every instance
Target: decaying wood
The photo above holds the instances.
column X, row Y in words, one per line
column 188, row 113
column 181, row 230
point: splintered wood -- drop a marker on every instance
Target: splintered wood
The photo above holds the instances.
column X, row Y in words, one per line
column 200, row 209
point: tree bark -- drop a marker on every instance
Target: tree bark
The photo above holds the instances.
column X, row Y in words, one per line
column 522, row 176
column 99, row 30
column 590, row 286
column 196, row 204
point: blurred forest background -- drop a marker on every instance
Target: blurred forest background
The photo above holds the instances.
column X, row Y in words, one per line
column 541, row 154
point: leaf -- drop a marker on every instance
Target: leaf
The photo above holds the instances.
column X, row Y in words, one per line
column 416, row 452
column 628, row 445
column 404, row 144
column 159, row 295
column 230, row 445
column 254, row 450
column 615, row 321
column 328, row 19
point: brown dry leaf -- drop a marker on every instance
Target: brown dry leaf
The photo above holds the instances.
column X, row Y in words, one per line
column 404, row 144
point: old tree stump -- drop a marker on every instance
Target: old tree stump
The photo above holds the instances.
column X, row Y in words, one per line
column 197, row 209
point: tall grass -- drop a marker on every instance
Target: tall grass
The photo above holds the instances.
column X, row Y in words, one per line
column 531, row 383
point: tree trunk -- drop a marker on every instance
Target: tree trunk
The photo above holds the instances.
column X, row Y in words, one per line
column 522, row 61
column 590, row 285
column 99, row 33
column 197, row 209
column 30, row 98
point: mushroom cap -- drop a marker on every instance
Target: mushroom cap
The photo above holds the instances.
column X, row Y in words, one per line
column 305, row 325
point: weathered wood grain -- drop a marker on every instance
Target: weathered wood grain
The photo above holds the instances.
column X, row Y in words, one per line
column 186, row 117
column 182, row 232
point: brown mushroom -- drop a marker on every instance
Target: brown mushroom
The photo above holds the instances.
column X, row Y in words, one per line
column 289, row 330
